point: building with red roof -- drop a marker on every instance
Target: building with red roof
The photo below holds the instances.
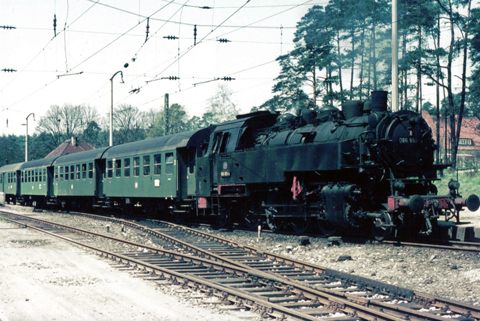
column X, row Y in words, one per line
column 469, row 144
column 70, row 146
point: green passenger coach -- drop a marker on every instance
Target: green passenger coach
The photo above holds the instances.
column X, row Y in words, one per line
column 75, row 178
column 10, row 182
column 36, row 181
column 154, row 172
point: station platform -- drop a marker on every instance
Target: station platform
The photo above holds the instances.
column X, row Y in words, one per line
column 468, row 230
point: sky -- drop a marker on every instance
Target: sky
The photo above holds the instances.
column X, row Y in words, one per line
column 93, row 40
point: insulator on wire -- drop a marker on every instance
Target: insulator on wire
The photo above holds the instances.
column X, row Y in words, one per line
column 223, row 40
column 8, row 70
column 148, row 29
column 195, row 35
column 171, row 78
column 54, row 25
column 205, row 7
column 227, row 78
column 170, row 37
column 8, row 27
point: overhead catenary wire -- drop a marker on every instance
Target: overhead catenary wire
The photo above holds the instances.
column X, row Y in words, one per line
column 190, row 24
column 177, row 54
column 40, row 52
column 82, row 62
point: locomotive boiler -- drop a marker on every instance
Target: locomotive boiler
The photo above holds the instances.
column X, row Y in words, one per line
column 360, row 168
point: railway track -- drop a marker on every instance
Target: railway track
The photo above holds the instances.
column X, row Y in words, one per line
column 282, row 282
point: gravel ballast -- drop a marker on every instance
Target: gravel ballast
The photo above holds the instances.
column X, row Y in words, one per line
column 43, row 278
column 453, row 275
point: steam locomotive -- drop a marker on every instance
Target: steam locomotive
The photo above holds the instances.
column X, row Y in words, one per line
column 362, row 168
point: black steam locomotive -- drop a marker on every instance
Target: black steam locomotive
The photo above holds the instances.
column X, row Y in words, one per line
column 361, row 168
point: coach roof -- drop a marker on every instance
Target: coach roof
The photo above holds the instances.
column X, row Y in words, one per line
column 81, row 157
column 10, row 168
column 159, row 144
column 44, row 162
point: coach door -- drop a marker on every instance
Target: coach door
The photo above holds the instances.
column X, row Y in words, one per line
column 50, row 181
column 182, row 174
column 99, row 170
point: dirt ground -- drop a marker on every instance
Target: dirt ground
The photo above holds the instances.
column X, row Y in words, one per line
column 42, row 278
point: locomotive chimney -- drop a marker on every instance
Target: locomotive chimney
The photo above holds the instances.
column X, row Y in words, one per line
column 379, row 101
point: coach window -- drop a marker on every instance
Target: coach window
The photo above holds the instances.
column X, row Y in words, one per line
column 55, row 174
column 1, row 176
column 36, row 175
column 44, row 174
column 169, row 163
column 157, row 164
column 90, row 170
column 146, row 165
column 126, row 167
column 77, row 168
column 136, row 166
column 118, row 168
column 84, row 171
column 72, row 172
column 66, row 173
column 61, row 174
column 109, row 168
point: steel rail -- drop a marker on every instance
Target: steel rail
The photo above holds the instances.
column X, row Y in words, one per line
column 412, row 310
column 352, row 309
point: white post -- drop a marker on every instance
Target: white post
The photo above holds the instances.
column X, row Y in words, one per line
column 26, row 136
column 394, row 57
column 111, row 104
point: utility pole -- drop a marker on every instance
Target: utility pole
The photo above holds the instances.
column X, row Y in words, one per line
column 167, row 116
column 394, row 57
column 26, row 136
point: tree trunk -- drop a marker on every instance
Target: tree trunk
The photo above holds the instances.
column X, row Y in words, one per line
column 339, row 61
column 419, row 73
column 353, row 64
column 438, row 91
column 362, row 61
column 464, row 79
column 374, row 62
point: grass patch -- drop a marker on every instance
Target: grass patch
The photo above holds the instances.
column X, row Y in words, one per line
column 469, row 182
